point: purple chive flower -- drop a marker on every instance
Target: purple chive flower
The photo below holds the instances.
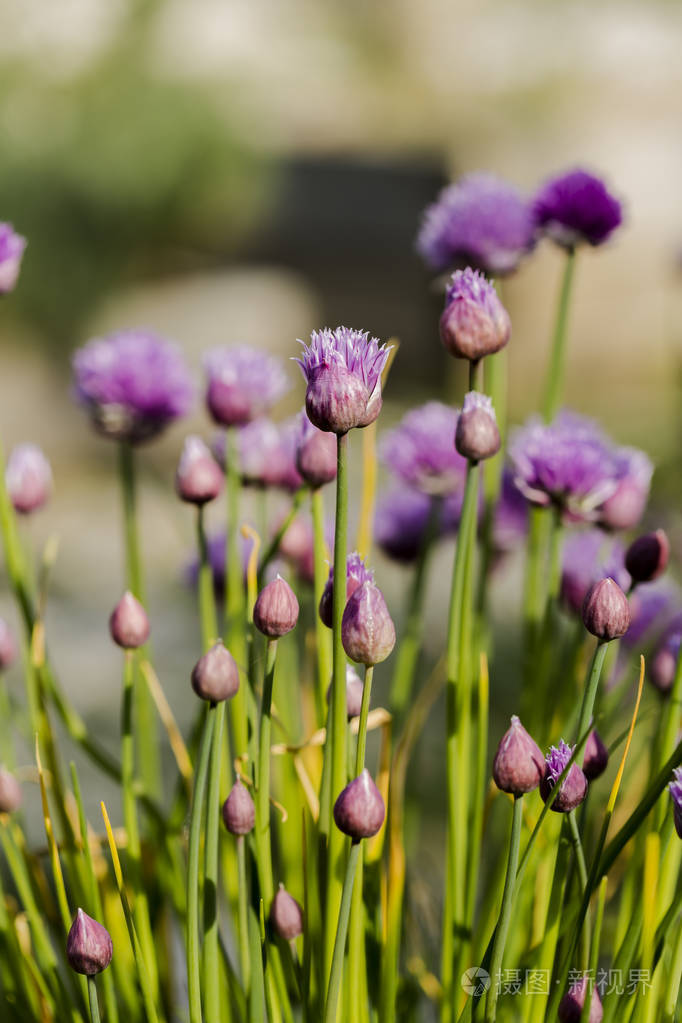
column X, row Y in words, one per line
column 481, row 221
column 568, row 463
column 356, row 574
column 132, row 383
column 367, row 630
column 315, row 453
column 519, row 764
column 576, row 208
column 474, row 323
column 420, row 451
column 624, row 508
column 88, row 947
column 606, row 610
column 342, row 369
column 243, row 384
column 655, row 607
column 511, row 516
column 266, row 454
column 28, row 478
column 400, row 523
column 588, row 556
column 675, row 789
column 12, row 247
column 574, row 786
column 477, row 435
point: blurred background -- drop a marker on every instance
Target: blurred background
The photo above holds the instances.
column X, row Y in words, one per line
column 246, row 171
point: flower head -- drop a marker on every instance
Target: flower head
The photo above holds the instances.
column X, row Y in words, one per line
column 286, row 915
column 420, row 451
column 576, row 208
column 519, row 764
column 342, row 369
column 12, row 247
column 266, row 453
column 367, row 629
column 239, row 812
column 315, row 453
column 588, row 556
column 474, row 323
column 356, row 574
column 88, row 947
column 132, row 383
column 198, row 478
column 215, row 676
column 243, row 383
column 675, row 790
column 276, row 610
column 128, row 623
column 625, row 506
column 606, row 610
column 574, row 786
column 480, row 221
column 568, row 463
column 477, row 435
column 359, row 810
column 28, row 478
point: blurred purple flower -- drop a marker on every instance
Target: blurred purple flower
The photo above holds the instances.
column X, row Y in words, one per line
column 132, row 383
column 402, row 517
column 511, row 515
column 654, row 608
column 28, row 478
column 575, row 208
column 625, row 507
column 266, row 453
column 420, row 451
column 242, row 384
column 480, row 221
column 588, row 556
column 12, row 247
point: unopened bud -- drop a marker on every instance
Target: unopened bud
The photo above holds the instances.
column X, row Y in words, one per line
column 474, row 322
column 128, row 624
column 647, row 556
column 286, row 915
column 606, row 611
column 10, row 792
column 239, row 813
column 276, row 610
column 88, row 947
column 367, row 629
column 315, row 454
column 354, row 689
column 28, row 478
column 571, row 1005
column 199, row 478
column 477, row 435
column 215, row 676
column 596, row 756
column 359, row 810
column 519, row 764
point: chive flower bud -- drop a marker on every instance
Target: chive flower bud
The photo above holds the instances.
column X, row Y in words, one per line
column 356, row 574
column 28, row 478
column 367, row 629
column 276, row 610
column 8, row 646
column 342, row 369
column 574, row 786
column 243, row 383
column 595, row 757
column 576, row 208
column 199, row 478
column 354, row 690
column 215, row 676
column 239, row 813
column 647, row 557
column 88, row 947
column 606, row 610
column 664, row 662
column 477, row 435
column 519, row 764
column 675, row 789
column 359, row 810
column 571, row 1005
column 12, row 247
column 128, row 624
column 315, row 454
column 624, row 508
column 10, row 792
column 474, row 322
column 286, row 915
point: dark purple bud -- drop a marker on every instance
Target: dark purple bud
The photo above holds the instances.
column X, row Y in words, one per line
column 477, row 436
column 88, row 946
column 596, row 756
column 276, row 610
column 571, row 1005
column 315, row 454
column 128, row 624
column 239, row 813
column 286, row 915
column 356, row 573
column 675, row 789
column 519, row 764
column 28, row 478
column 359, row 811
column 354, row 689
column 8, row 646
column 664, row 662
column 474, row 322
column 215, row 676
column 574, row 786
column 606, row 610
column 647, row 557
column 199, row 478
column 367, row 628
column 10, row 792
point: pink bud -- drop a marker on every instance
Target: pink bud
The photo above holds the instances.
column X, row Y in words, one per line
column 28, row 478
column 606, row 611
column 128, row 624
column 286, row 915
column 276, row 610
column 239, row 813
column 215, row 676
column 88, row 947
column 359, row 810
column 199, row 478
column 519, row 764
column 367, row 628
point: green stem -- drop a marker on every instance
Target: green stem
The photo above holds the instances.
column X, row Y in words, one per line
column 337, row 705
column 207, row 608
column 94, row 1004
column 495, row 373
column 590, row 692
column 140, row 905
column 341, row 932
column 234, row 592
column 555, row 374
column 582, row 873
column 263, row 791
column 193, row 881
column 672, row 993
column 321, row 572
column 505, row 910
column 362, row 726
column 243, row 917
column 211, row 957
column 410, row 643
column 145, row 715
